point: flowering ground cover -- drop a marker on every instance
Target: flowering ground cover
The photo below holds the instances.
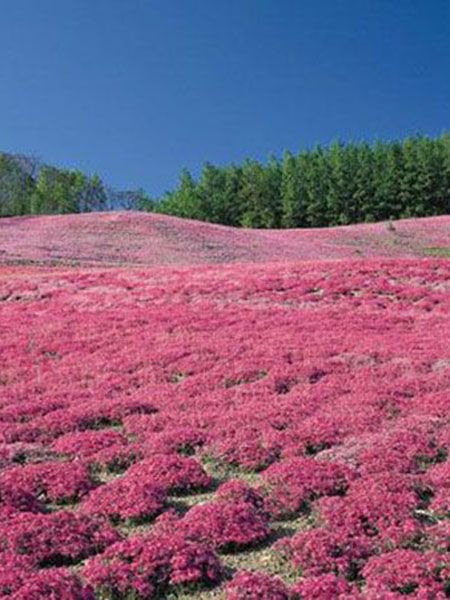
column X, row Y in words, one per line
column 131, row 238
column 251, row 431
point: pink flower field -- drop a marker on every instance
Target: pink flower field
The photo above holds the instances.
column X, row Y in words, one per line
column 144, row 239
column 246, row 431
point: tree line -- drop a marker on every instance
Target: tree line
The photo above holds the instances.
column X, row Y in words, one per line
column 29, row 187
column 334, row 185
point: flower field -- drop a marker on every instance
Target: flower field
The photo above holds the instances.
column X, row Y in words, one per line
column 145, row 239
column 260, row 431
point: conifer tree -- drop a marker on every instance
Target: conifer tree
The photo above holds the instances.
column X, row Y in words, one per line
column 252, row 195
column 362, row 206
column 211, row 190
column 317, row 185
column 443, row 193
column 409, row 184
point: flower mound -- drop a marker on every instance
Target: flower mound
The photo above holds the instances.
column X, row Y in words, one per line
column 174, row 473
column 425, row 575
column 144, row 565
column 55, row 539
column 294, row 483
column 321, row 551
column 325, row 587
column 53, row 481
column 125, row 498
column 82, row 444
column 246, row 585
column 236, row 490
column 225, row 525
column 51, row 584
column 243, row 446
column 15, row 498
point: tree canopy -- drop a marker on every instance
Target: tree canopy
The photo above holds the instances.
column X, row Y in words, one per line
column 334, row 185
column 339, row 184
column 29, row 187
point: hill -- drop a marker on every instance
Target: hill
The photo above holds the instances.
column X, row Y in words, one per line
column 135, row 238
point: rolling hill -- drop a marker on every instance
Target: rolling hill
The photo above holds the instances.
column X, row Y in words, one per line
column 132, row 238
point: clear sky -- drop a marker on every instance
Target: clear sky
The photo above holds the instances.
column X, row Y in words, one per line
column 137, row 89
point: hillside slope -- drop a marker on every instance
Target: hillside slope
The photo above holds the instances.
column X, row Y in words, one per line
column 133, row 238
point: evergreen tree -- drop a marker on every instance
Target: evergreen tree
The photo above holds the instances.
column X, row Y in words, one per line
column 142, row 201
column 232, row 208
column 443, row 191
column 362, row 205
column 410, row 201
column 387, row 160
column 251, row 195
column 260, row 194
column 294, row 195
column 340, row 196
column 187, row 198
column 211, row 191
column 317, row 185
column 273, row 176
column 42, row 201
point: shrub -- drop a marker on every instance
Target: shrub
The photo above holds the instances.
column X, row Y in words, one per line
column 51, row 584
column 55, row 539
column 173, row 472
column 125, row 498
column 407, row 572
column 246, row 585
column 17, row 499
column 226, row 525
column 293, row 483
column 236, row 490
column 82, row 444
column 325, row 587
column 245, row 447
column 51, row 481
column 322, row 550
column 144, row 565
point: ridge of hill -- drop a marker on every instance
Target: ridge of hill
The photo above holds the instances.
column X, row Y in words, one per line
column 146, row 239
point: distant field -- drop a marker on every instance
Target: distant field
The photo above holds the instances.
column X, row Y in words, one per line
column 129, row 238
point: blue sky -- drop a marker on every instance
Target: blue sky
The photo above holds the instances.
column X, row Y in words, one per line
column 138, row 89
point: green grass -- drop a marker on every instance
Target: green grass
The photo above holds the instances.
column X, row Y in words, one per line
column 438, row 251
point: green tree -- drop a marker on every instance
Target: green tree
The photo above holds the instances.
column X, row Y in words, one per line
column 340, row 198
column 409, row 196
column 294, row 191
column 232, row 208
column 362, row 206
column 317, row 184
column 443, row 189
column 260, row 194
column 211, row 193
column 16, row 187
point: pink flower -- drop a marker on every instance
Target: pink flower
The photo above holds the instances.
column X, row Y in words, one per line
column 246, row 585
column 125, row 498
column 226, row 525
